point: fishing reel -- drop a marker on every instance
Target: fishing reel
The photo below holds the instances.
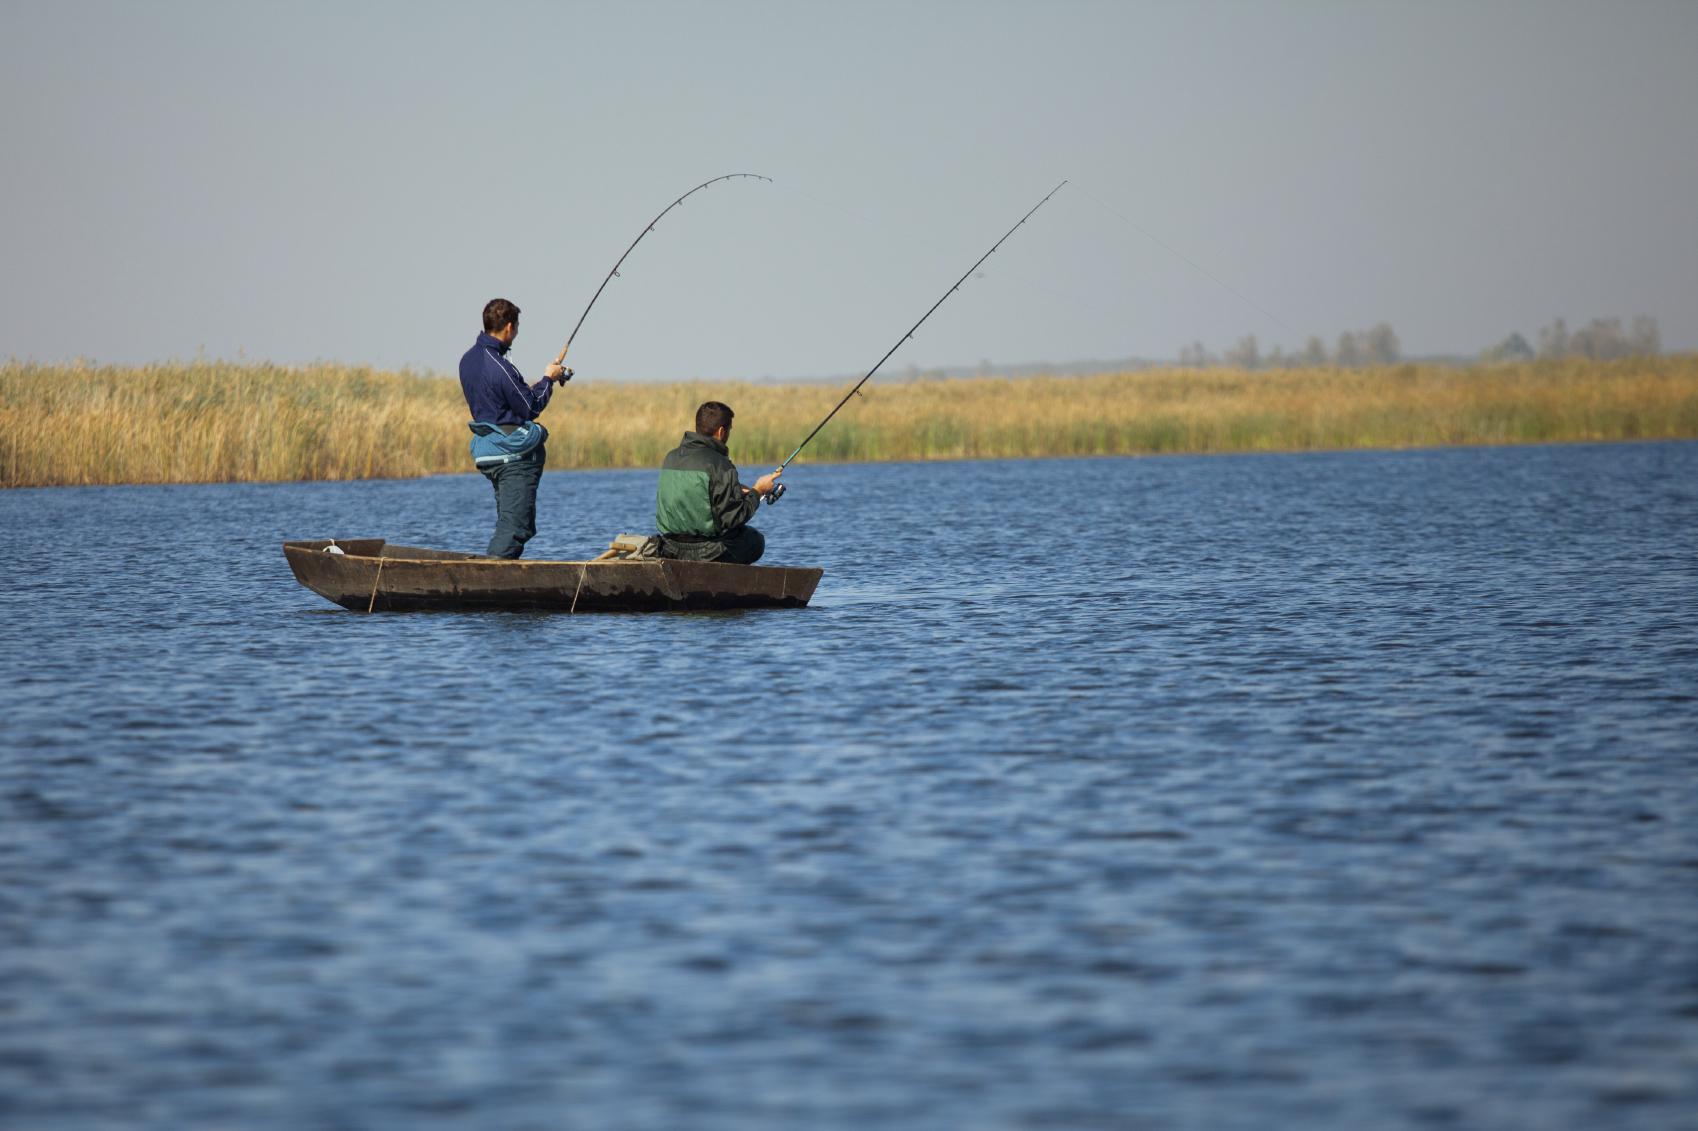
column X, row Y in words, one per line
column 563, row 378
column 775, row 494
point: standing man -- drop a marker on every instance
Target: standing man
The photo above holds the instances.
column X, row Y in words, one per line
column 702, row 511
column 507, row 440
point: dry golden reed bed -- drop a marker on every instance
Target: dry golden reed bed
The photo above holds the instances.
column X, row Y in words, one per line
column 220, row 422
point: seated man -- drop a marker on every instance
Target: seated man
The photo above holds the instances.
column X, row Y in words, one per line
column 702, row 511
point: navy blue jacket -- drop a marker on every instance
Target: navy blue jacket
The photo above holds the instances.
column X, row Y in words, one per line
column 495, row 392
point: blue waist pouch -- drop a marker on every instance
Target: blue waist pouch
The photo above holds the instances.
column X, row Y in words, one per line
column 491, row 447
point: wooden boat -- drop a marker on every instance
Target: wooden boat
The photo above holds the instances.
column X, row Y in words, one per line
column 370, row 574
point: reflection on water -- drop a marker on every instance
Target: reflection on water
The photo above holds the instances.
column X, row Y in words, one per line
column 1332, row 790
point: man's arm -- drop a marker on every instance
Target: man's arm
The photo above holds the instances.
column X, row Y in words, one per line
column 524, row 400
column 733, row 504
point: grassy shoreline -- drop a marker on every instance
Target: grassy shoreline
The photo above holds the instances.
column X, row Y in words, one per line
column 220, row 422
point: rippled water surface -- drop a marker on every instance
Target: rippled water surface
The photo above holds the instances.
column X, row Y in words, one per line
column 1326, row 790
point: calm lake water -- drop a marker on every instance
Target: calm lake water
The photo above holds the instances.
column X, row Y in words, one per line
column 1334, row 790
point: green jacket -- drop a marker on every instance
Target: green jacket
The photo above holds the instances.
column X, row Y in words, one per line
column 699, row 493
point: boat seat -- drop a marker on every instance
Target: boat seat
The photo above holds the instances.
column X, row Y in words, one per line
column 631, row 547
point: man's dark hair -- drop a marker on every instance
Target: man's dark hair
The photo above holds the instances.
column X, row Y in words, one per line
column 497, row 314
column 711, row 416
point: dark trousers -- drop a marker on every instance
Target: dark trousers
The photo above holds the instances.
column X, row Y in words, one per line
column 515, row 503
column 743, row 546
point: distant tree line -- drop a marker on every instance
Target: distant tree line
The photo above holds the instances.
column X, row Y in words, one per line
column 1376, row 345
column 1601, row 339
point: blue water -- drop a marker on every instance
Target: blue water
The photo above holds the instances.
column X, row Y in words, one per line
column 1326, row 791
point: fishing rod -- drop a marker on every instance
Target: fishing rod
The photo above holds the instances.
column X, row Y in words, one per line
column 778, row 488
column 613, row 274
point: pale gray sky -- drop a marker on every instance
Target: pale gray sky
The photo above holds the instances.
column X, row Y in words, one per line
column 351, row 181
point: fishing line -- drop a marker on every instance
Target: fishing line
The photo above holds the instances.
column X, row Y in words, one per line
column 850, row 212
column 907, row 240
column 778, row 488
column 885, row 229
column 1199, row 268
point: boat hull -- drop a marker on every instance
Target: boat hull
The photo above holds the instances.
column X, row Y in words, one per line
column 371, row 574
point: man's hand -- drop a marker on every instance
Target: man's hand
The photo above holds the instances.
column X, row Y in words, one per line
column 557, row 370
column 763, row 485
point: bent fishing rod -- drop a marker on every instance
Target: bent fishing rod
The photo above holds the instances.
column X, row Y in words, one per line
column 613, row 274
column 778, row 488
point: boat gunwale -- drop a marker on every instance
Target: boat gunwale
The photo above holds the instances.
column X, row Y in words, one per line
column 457, row 557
